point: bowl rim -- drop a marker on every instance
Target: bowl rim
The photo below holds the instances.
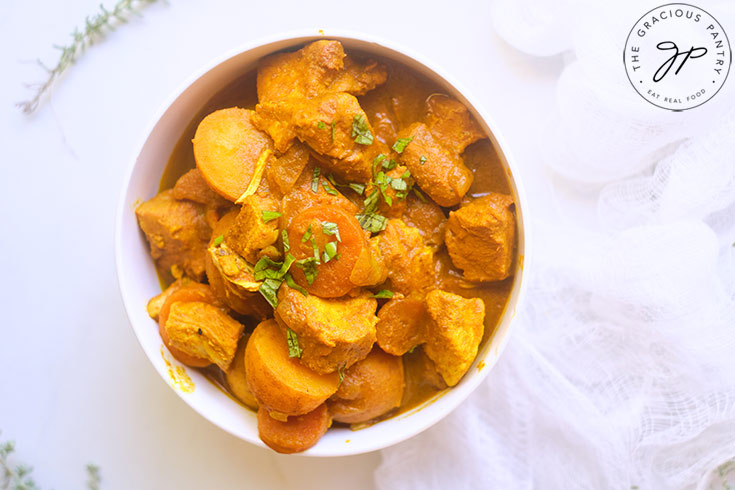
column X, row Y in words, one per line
column 460, row 392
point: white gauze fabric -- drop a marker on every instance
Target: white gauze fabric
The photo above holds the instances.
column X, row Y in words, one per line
column 621, row 371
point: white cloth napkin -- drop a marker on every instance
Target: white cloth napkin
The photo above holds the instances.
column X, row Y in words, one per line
column 621, row 371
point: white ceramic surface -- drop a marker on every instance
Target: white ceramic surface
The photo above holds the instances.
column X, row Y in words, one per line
column 138, row 280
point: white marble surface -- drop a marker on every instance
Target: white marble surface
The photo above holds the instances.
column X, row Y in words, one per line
column 75, row 386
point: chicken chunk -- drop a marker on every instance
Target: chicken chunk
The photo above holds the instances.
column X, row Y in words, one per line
column 439, row 171
column 454, row 333
column 370, row 388
column 203, row 331
column 327, row 124
column 427, row 217
column 317, row 68
column 250, row 233
column 402, row 324
column 177, row 232
column 333, row 333
column 480, row 238
column 451, row 123
column 410, row 262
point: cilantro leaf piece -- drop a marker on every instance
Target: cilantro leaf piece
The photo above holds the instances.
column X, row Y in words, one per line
column 419, row 194
column 269, row 290
column 293, row 344
column 331, row 229
column 371, row 202
column 372, row 222
column 390, row 164
column 292, row 284
column 328, row 189
column 270, row 215
column 334, row 123
column 321, row 125
column 284, row 238
column 401, row 144
column 341, row 373
column 422, row 160
column 315, row 180
column 218, row 241
column 307, row 235
column 376, row 161
column 330, row 251
column 361, row 131
column 308, row 265
column 359, row 188
column 398, row 184
column 315, row 248
column 383, row 293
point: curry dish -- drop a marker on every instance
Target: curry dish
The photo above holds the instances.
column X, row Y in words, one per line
column 335, row 245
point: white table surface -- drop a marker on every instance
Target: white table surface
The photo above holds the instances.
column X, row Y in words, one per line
column 75, row 386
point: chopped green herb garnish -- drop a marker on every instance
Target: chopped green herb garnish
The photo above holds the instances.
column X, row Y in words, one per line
column 398, row 184
column 390, row 164
column 331, row 229
column 401, row 144
column 328, row 189
column 269, row 290
column 284, row 238
column 412, row 349
column 308, row 265
column 293, row 344
column 321, row 125
column 218, row 241
column 359, row 188
column 341, row 373
column 383, row 293
column 315, row 180
column 422, row 160
column 315, row 248
column 292, row 284
column 330, row 251
column 376, row 161
column 372, row 222
column 361, row 131
column 270, row 216
column 307, row 235
column 334, row 123
column 406, row 174
column 419, row 194
column 371, row 202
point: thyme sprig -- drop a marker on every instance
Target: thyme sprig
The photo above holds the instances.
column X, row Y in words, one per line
column 18, row 476
column 95, row 27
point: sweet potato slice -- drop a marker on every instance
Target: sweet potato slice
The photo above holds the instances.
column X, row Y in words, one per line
column 237, row 378
column 298, row 433
column 228, row 150
column 279, row 382
column 370, row 388
column 402, row 324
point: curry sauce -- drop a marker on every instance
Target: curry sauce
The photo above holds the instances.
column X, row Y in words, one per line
column 395, row 110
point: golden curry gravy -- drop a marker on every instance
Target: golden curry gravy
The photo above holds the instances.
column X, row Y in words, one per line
column 406, row 92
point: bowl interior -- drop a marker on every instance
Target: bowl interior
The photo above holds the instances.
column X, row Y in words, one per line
column 139, row 282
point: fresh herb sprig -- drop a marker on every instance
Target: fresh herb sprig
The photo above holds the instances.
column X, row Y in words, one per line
column 95, row 28
column 18, row 476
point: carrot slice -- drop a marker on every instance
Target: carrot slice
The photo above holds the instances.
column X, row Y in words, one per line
column 298, row 433
column 309, row 234
column 227, row 150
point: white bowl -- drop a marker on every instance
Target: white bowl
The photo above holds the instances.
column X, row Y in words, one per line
column 137, row 275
